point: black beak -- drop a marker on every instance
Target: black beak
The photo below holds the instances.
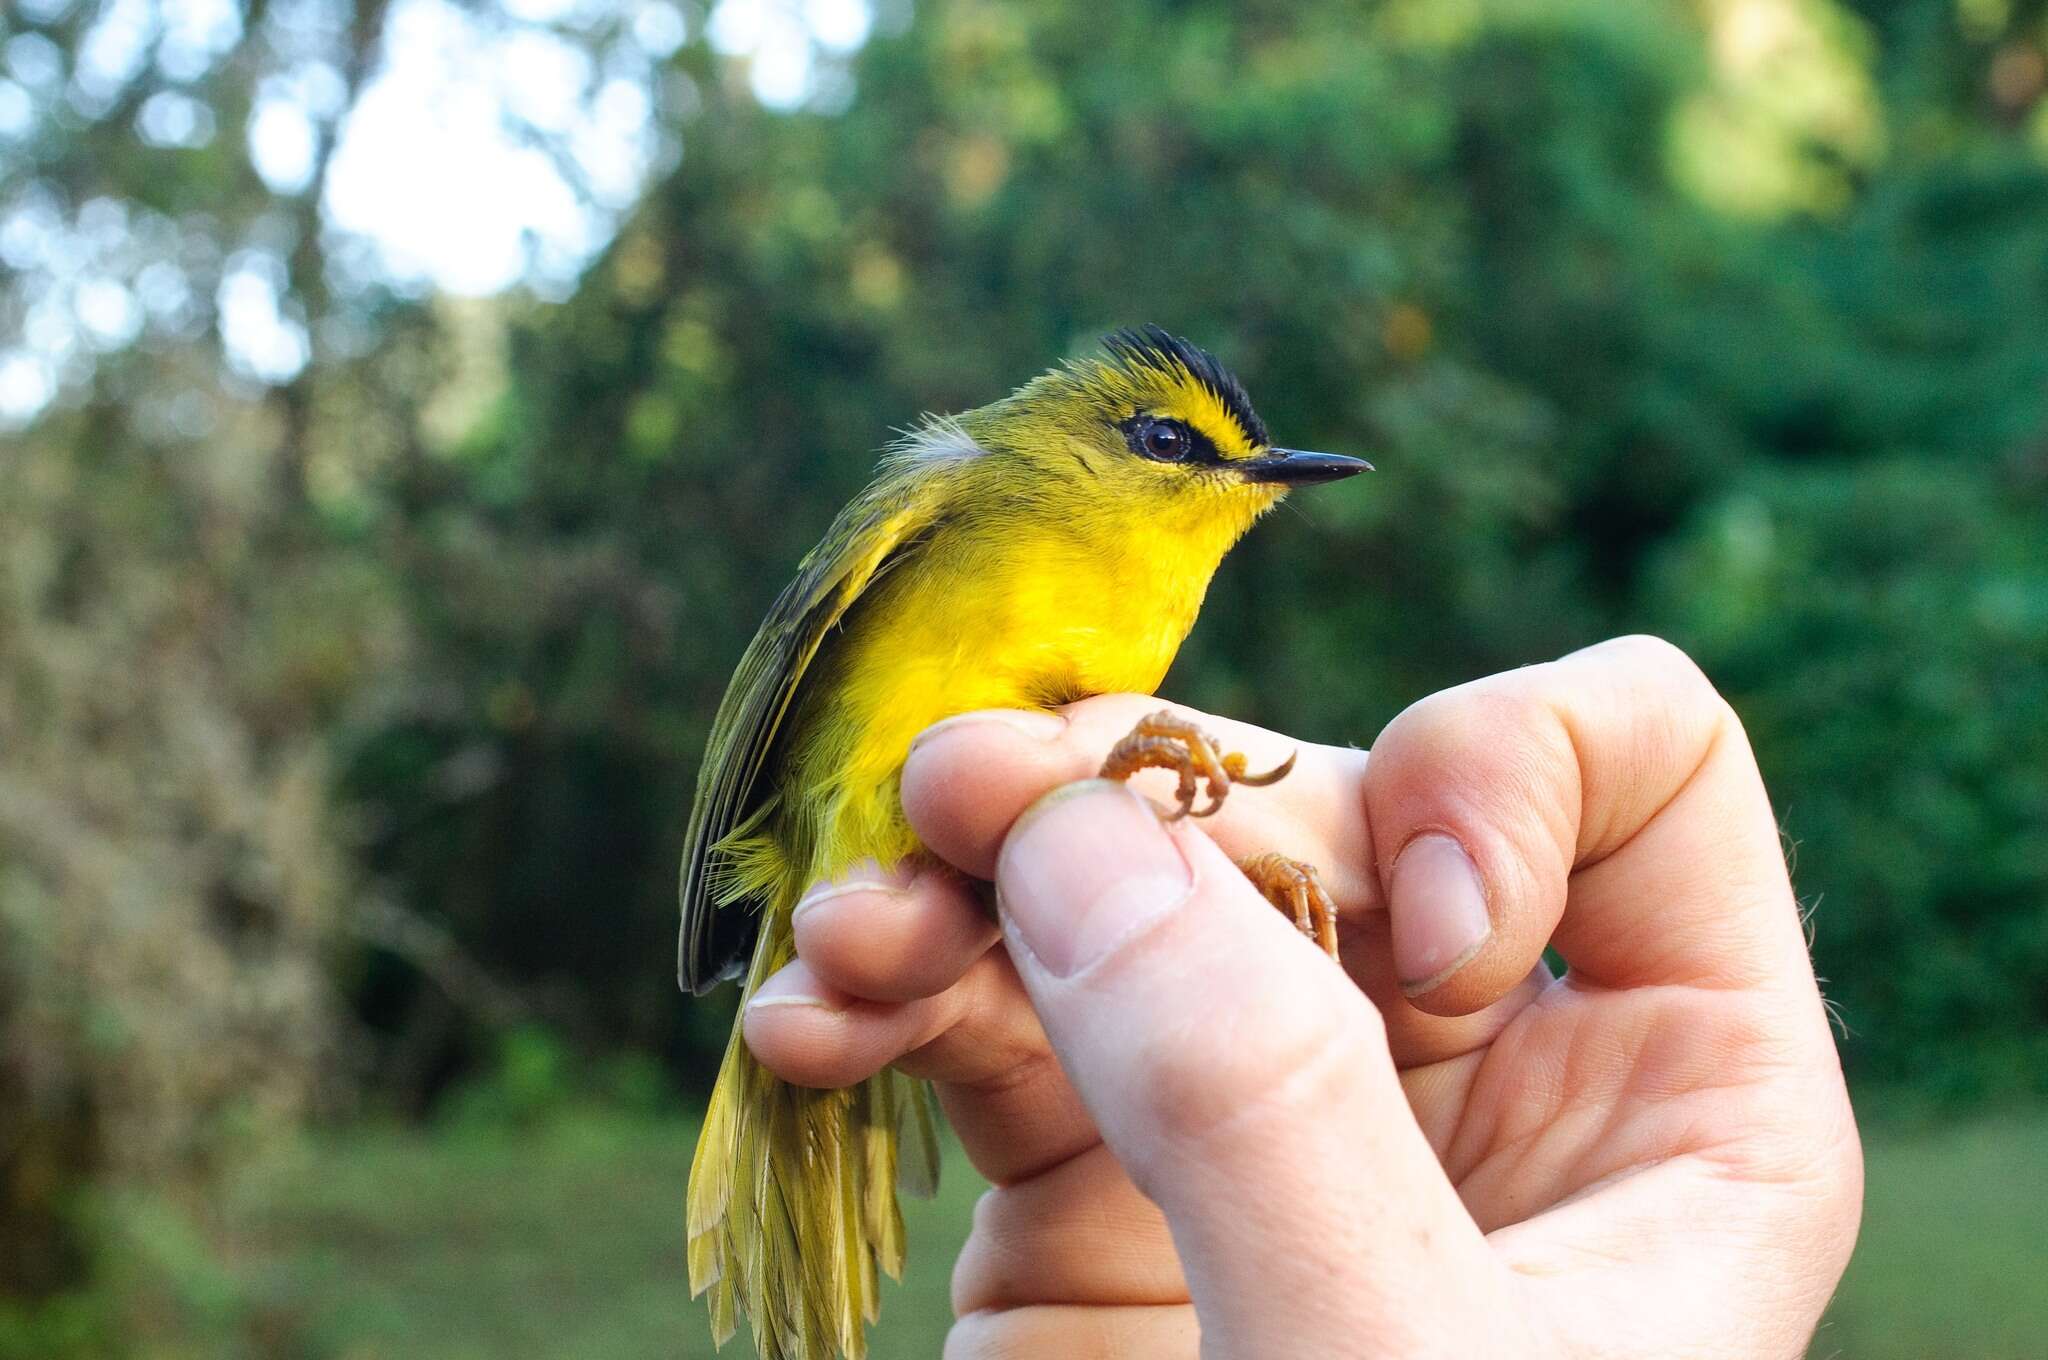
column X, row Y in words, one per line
column 1293, row 466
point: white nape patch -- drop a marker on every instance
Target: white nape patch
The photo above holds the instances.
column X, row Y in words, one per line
column 936, row 439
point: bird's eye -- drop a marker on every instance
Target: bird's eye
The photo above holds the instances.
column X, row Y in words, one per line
column 1165, row 440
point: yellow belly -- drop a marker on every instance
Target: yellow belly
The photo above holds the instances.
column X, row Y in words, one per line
column 971, row 623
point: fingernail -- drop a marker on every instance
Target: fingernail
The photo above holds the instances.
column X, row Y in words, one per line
column 789, row 988
column 1437, row 907
column 1036, row 725
column 865, row 877
column 1086, row 868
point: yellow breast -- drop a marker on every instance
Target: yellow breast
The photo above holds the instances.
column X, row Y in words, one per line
column 1002, row 612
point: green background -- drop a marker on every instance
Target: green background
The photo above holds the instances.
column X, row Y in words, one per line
column 348, row 721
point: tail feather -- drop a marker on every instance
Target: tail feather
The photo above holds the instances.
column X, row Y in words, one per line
column 879, row 1216
column 917, row 1138
column 792, row 1211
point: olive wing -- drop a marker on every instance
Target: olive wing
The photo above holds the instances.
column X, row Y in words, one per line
column 872, row 534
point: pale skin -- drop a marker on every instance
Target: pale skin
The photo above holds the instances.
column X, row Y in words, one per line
column 1207, row 1138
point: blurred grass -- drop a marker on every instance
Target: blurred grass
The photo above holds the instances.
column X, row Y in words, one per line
column 1950, row 1264
column 565, row 1241
column 389, row 1243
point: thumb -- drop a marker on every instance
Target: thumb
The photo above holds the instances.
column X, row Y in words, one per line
column 1244, row 1083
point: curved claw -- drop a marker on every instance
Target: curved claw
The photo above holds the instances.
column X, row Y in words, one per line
column 1272, row 776
column 1165, row 741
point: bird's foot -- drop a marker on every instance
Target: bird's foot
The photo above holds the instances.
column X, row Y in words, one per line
column 1167, row 741
column 1294, row 888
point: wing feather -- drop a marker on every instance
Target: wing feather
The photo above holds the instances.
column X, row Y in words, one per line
column 876, row 531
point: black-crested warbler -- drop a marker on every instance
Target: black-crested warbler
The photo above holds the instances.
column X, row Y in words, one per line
column 1052, row 545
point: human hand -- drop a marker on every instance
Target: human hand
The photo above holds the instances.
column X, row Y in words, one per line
column 1218, row 1141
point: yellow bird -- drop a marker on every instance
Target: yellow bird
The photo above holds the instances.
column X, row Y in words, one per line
column 1050, row 546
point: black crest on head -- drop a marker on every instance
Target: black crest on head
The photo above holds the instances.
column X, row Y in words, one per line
column 1163, row 352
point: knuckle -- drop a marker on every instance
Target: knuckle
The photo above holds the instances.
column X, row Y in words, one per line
column 1488, row 754
column 1687, row 715
column 1676, row 672
column 1445, row 728
column 982, row 1036
column 1436, row 730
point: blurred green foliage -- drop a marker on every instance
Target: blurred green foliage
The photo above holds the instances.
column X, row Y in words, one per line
column 350, row 721
column 1811, row 450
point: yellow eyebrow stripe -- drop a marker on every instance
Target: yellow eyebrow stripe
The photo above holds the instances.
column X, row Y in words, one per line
column 1198, row 407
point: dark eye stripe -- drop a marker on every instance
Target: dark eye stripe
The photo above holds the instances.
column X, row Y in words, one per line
column 1196, row 447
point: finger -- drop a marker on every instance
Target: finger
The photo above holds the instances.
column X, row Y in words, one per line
column 810, row 1033
column 1080, row 1233
column 892, row 935
column 1007, row 1099
column 1615, row 764
column 1240, row 1078
column 968, row 778
column 1076, row 1333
